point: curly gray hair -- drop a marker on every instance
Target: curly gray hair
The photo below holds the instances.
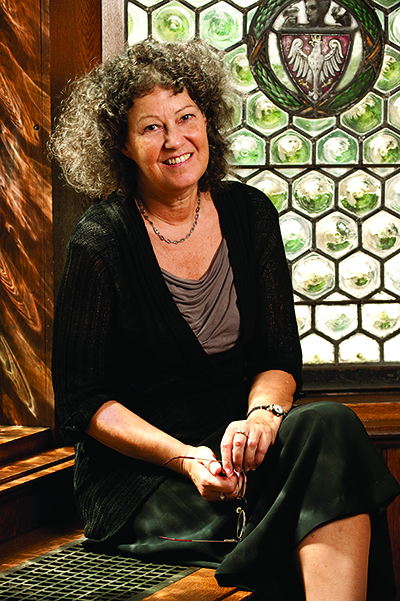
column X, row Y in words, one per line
column 92, row 126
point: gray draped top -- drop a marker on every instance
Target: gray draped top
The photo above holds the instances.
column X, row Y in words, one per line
column 209, row 304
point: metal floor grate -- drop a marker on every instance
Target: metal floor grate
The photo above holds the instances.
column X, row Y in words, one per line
column 70, row 573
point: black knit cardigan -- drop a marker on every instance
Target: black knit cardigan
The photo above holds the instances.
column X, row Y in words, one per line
column 118, row 335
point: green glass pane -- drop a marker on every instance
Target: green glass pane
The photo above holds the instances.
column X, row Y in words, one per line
column 390, row 73
column 274, row 187
column 381, row 234
column 383, row 147
column 221, row 25
column 337, row 147
column 240, row 69
column 264, row 115
column 314, row 126
column 247, row 149
column 296, row 234
column 336, row 234
column 314, row 193
column 359, row 193
column 290, row 148
column 173, row 23
column 366, row 115
column 336, row 321
column 313, row 276
column 394, row 26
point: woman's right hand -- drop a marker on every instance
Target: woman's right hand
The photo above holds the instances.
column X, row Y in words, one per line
column 207, row 474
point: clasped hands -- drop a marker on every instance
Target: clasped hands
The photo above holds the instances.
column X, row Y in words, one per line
column 243, row 448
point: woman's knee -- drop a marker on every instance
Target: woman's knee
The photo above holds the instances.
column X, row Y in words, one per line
column 321, row 416
column 327, row 410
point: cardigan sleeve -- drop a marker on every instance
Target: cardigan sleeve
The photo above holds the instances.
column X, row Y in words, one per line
column 277, row 344
column 82, row 361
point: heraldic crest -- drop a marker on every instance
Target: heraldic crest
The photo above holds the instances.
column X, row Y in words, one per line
column 315, row 58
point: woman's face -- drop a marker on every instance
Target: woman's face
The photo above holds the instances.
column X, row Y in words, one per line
column 167, row 139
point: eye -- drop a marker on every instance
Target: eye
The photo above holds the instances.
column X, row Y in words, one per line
column 187, row 117
column 152, row 127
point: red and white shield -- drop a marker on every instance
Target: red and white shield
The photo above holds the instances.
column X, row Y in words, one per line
column 315, row 62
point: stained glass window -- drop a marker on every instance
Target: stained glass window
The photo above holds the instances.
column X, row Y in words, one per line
column 317, row 128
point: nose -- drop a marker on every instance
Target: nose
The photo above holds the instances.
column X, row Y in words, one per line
column 173, row 136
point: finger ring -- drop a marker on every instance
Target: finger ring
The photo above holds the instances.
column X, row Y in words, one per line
column 222, row 496
column 241, row 431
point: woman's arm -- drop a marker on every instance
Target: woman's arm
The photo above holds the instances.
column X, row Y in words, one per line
column 261, row 427
column 122, row 430
column 275, row 355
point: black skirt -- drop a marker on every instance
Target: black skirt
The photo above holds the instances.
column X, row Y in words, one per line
column 323, row 466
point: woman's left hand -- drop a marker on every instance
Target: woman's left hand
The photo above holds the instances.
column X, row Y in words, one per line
column 245, row 442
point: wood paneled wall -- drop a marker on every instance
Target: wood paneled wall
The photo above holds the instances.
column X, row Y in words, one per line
column 44, row 43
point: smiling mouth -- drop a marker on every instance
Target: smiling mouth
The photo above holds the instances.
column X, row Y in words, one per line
column 177, row 160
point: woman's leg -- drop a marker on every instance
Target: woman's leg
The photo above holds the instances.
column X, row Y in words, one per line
column 333, row 560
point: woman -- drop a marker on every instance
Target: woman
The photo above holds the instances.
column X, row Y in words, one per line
column 175, row 344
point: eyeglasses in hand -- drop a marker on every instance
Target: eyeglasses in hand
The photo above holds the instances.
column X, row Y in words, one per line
column 241, row 521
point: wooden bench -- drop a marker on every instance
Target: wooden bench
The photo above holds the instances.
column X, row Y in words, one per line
column 35, row 480
column 200, row 586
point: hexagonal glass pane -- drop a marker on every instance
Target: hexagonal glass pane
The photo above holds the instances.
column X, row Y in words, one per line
column 336, row 234
column 381, row 234
column 296, row 234
column 391, row 350
column 274, row 187
column 240, row 69
column 359, row 193
column 394, row 26
column 317, row 350
column 313, row 276
column 359, row 349
column 290, row 149
column 264, row 115
column 382, row 147
column 173, row 22
column 221, row 25
column 389, row 77
column 336, row 321
column 337, row 147
column 314, row 193
column 247, row 148
column 359, row 275
column 392, row 275
column 303, row 318
column 365, row 116
column 392, row 199
column 137, row 24
column 314, row 127
column 381, row 319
